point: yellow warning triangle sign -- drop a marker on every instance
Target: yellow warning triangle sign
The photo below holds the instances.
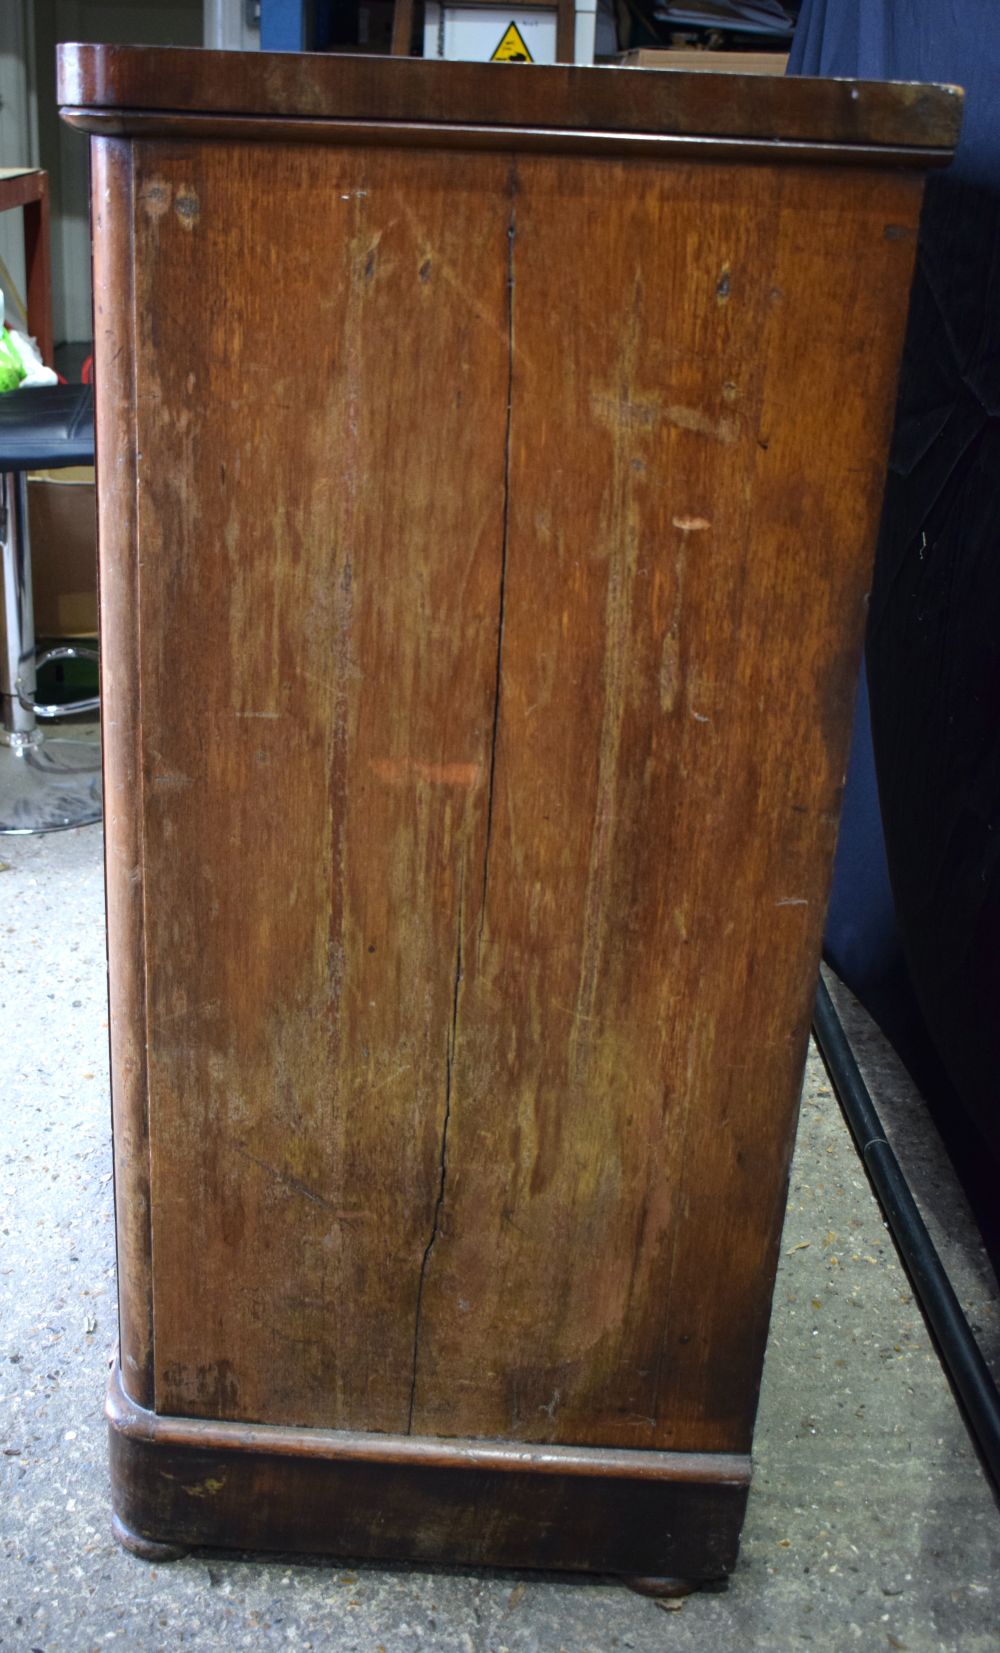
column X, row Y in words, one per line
column 512, row 48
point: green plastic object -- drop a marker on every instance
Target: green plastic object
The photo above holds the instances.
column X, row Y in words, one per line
column 11, row 367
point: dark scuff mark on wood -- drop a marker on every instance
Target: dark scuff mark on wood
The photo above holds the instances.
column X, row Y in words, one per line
column 443, row 1161
column 187, row 208
column 299, row 1187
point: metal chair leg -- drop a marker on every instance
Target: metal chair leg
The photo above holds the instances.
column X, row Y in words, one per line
column 46, row 784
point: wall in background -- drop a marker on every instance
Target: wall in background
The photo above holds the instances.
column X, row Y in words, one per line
column 64, row 153
column 18, row 135
column 31, row 133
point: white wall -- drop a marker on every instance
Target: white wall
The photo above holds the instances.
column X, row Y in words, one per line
column 228, row 27
column 63, row 152
column 31, row 133
column 18, row 146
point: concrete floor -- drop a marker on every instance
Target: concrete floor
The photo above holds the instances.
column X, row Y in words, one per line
column 870, row 1524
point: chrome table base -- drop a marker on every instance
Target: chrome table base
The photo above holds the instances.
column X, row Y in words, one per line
column 49, row 782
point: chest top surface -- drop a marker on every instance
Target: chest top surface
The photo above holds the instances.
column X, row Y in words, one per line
column 119, row 88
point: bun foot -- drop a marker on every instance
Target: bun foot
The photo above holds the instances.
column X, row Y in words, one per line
column 663, row 1589
column 147, row 1549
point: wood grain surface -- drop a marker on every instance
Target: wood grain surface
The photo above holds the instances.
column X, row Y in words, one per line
column 484, row 549
column 684, row 580
column 266, row 85
column 321, row 681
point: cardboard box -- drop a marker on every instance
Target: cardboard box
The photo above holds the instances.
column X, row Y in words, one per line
column 62, row 520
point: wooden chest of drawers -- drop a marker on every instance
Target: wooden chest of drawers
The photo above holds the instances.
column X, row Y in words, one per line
column 489, row 464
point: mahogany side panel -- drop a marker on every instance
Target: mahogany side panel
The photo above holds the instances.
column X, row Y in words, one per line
column 322, row 361
column 696, row 452
column 485, row 858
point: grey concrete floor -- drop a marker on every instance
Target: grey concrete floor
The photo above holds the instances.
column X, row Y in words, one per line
column 870, row 1524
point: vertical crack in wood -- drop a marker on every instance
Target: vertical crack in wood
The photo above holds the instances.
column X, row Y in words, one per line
column 443, row 1161
column 505, row 541
column 453, row 1029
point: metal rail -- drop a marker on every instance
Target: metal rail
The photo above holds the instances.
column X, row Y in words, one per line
column 957, row 1347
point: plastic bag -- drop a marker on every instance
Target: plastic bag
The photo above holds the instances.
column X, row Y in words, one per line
column 35, row 371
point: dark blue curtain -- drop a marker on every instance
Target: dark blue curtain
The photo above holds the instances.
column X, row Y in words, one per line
column 914, row 922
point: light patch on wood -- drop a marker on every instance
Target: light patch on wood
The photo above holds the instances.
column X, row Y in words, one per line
column 209, row 1488
column 167, row 781
column 400, row 771
column 637, row 411
column 621, row 531
column 722, row 430
column 691, row 525
column 208, row 1006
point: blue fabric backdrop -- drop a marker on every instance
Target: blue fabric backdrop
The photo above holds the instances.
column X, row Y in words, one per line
column 914, row 922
